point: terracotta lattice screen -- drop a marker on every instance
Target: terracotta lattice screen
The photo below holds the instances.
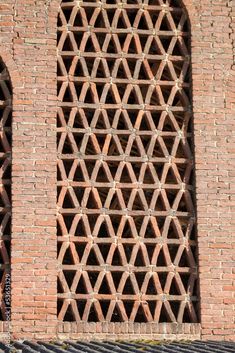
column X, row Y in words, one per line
column 126, row 221
column 5, row 183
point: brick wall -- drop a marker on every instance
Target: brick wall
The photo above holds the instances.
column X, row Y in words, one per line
column 28, row 48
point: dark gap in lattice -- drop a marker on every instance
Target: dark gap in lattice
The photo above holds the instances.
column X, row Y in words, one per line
column 81, row 305
column 69, row 316
column 82, row 286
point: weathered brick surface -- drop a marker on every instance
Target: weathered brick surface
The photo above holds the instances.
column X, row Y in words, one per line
column 28, row 48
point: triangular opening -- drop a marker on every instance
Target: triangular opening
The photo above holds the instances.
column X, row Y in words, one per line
column 99, row 22
column 81, row 287
column 145, row 124
column 89, row 45
column 178, row 100
column 104, row 288
column 187, row 315
column 126, row 193
column 140, row 276
column 138, row 220
column 104, row 249
column 161, row 261
column 174, row 289
column 81, row 305
column 154, row 48
column 79, row 70
column 59, row 286
column 93, row 277
column 127, row 230
column 160, row 205
column 151, row 289
column 133, row 48
column 125, row 176
column 184, row 260
column 110, row 97
column 90, row 64
column 170, row 177
column 78, row 22
column 184, row 204
column 80, row 230
column 140, row 315
column 148, row 177
column 138, row 204
column 155, row 98
column 92, row 259
column 69, row 315
column 128, row 251
column 117, row 259
column 165, row 26
column 116, row 315
column 89, row 97
column 168, row 125
column 117, row 278
column 93, row 316
column 135, row 150
column 113, row 149
column 146, row 140
column 150, row 231
column 181, row 151
column 112, row 48
column 121, row 22
column 158, row 150
column 68, row 220
column 103, row 231
column 69, row 276
column 68, row 97
column 78, row 175
column 104, row 306
column 68, row 202
column 164, row 316
column 143, row 24
column 115, row 204
column 175, row 305
column 90, row 165
column 128, row 288
column 178, row 51
column 139, row 260
column 90, row 147
column 121, row 72
column 150, row 250
column 132, row 99
column 67, row 46
column 128, row 304
column 101, row 72
column 132, row 14
column 92, row 202
column 67, row 146
column 166, row 74
column 103, row 193
column 172, row 231
column 101, row 138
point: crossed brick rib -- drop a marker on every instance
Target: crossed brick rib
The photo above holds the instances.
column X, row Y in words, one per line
column 126, row 223
column 5, row 176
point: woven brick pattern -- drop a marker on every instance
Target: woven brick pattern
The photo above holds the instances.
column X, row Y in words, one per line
column 5, row 176
column 126, row 223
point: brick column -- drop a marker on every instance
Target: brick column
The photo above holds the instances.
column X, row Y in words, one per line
column 34, row 272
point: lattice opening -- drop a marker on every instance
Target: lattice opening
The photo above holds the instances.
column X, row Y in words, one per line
column 5, row 175
column 126, row 220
